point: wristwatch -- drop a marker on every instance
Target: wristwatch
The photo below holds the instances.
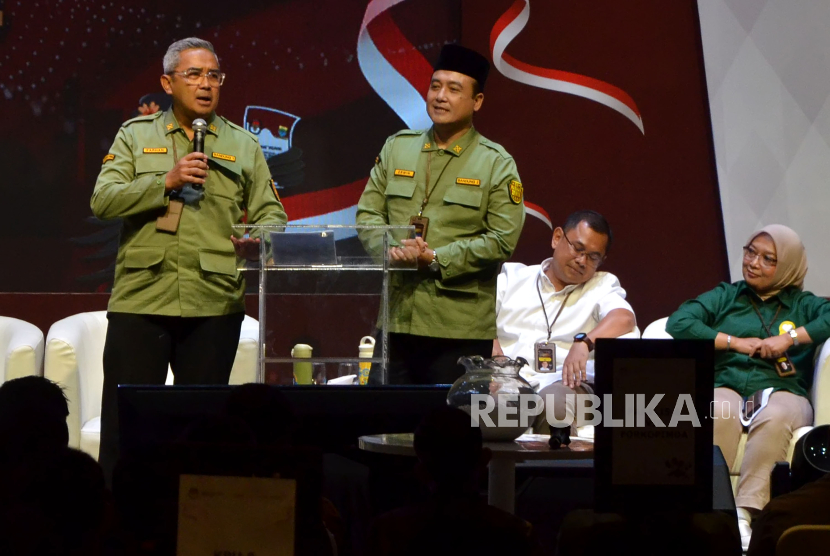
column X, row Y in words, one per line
column 434, row 266
column 583, row 337
column 794, row 335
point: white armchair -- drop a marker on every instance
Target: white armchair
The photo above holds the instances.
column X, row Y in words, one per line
column 21, row 346
column 820, row 396
column 657, row 330
column 74, row 359
column 245, row 364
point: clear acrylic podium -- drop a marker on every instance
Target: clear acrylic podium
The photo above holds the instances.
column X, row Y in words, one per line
column 326, row 286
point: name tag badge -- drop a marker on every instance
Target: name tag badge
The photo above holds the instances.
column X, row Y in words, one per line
column 467, row 181
column 155, row 150
column 545, row 355
column 220, row 156
column 405, row 173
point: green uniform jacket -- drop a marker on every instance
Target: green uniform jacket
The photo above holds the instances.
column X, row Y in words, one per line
column 192, row 273
column 476, row 213
column 728, row 309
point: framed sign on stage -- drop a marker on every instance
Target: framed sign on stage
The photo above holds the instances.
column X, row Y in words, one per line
column 653, row 447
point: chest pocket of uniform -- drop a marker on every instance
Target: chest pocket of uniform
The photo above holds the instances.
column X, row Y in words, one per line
column 219, row 262
column 153, row 163
column 143, row 257
column 401, row 187
column 464, row 195
column 225, row 180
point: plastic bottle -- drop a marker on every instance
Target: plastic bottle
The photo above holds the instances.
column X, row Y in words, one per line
column 302, row 369
column 366, row 350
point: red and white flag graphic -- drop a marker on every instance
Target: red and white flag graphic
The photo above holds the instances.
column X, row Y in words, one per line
column 509, row 25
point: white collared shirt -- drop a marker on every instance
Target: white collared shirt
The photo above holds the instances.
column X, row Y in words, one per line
column 521, row 321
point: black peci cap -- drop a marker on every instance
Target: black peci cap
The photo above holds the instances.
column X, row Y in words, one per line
column 456, row 58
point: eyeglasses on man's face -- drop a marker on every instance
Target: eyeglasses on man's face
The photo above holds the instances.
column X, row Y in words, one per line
column 750, row 254
column 593, row 259
column 194, row 76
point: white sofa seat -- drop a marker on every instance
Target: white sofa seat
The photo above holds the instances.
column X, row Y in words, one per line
column 657, row 330
column 91, row 436
column 21, row 346
column 74, row 357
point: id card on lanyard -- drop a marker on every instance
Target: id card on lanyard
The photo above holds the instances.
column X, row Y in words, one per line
column 545, row 354
column 544, row 350
column 169, row 222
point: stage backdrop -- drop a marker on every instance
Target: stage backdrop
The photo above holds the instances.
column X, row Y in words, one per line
column 769, row 87
column 603, row 104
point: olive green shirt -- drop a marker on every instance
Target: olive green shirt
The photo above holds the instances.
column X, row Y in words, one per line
column 476, row 213
column 728, row 309
column 192, row 273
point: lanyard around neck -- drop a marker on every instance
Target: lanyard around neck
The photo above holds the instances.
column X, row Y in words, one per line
column 175, row 151
column 763, row 323
column 427, row 191
column 549, row 325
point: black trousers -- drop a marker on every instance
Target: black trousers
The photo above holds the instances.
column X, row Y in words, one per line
column 138, row 348
column 425, row 360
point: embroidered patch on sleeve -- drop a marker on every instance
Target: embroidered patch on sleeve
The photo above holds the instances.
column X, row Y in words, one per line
column 108, row 158
column 516, row 191
column 274, row 189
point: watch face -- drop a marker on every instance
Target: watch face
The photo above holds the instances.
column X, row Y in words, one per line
column 579, row 337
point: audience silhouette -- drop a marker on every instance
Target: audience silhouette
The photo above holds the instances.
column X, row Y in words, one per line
column 53, row 500
column 809, row 505
column 454, row 519
column 33, row 414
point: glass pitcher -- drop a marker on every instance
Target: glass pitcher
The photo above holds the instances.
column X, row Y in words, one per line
column 488, row 389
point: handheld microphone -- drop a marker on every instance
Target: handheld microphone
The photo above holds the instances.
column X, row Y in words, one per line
column 199, row 130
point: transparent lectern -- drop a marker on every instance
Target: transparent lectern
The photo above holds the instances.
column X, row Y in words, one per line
column 321, row 290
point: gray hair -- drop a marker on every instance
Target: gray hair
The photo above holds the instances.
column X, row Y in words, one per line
column 173, row 55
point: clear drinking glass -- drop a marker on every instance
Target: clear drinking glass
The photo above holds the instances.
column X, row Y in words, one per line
column 318, row 373
column 347, row 369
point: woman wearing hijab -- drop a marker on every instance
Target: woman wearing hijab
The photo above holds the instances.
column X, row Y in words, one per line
column 766, row 330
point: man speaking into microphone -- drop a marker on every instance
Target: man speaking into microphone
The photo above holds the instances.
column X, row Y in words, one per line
column 177, row 296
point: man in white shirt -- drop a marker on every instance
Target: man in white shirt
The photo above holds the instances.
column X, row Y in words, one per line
column 551, row 314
